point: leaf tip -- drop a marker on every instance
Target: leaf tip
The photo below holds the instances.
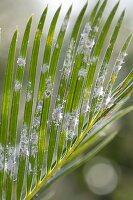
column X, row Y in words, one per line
column 70, row 8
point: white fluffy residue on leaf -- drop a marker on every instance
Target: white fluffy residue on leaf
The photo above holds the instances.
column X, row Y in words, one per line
column 17, row 86
column 45, row 68
column 21, row 62
column 82, row 73
column 49, row 87
column 68, row 60
column 29, row 92
column 24, row 141
column 57, row 115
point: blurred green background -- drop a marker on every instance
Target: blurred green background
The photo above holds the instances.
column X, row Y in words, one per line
column 109, row 176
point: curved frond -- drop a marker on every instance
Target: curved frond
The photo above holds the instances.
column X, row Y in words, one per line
column 63, row 126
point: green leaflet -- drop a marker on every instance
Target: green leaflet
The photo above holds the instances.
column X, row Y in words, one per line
column 117, row 66
column 85, row 89
column 75, row 88
column 44, row 132
column 15, row 103
column 77, row 65
column 62, row 91
column 64, row 82
column 29, row 101
column 39, row 103
column 7, row 101
column 102, row 71
column 122, row 86
column 97, row 50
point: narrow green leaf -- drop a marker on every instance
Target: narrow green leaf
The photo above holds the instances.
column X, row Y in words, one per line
column 52, row 71
column 6, row 103
column 64, row 82
column 99, row 45
column 122, row 86
column 39, row 104
column 96, row 98
column 126, row 92
column 15, row 104
column 78, row 64
column 117, row 67
column 62, row 92
column 80, row 82
column 29, row 104
column 94, row 12
column 93, row 63
column 81, row 65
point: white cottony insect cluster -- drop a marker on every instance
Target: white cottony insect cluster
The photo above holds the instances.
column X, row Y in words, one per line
column 119, row 62
column 92, row 60
column 45, row 68
column 70, row 124
column 29, row 92
column 24, row 141
column 86, row 43
column 39, row 107
column 33, row 142
column 57, row 115
column 109, row 102
column 18, row 86
column 36, row 122
column 96, row 29
column 68, row 60
column 85, row 106
column 49, row 87
column 82, row 73
column 10, row 156
column 21, row 62
column 98, row 90
column 35, row 127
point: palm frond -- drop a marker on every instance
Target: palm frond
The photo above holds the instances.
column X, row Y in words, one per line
column 63, row 127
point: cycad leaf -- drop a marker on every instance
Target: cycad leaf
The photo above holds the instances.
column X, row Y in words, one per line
column 37, row 115
column 117, row 67
column 64, row 82
column 29, row 104
column 15, row 103
column 63, row 128
column 78, row 61
column 47, row 100
column 48, row 91
column 6, row 103
column 102, row 71
column 80, row 64
column 62, row 89
column 92, row 67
